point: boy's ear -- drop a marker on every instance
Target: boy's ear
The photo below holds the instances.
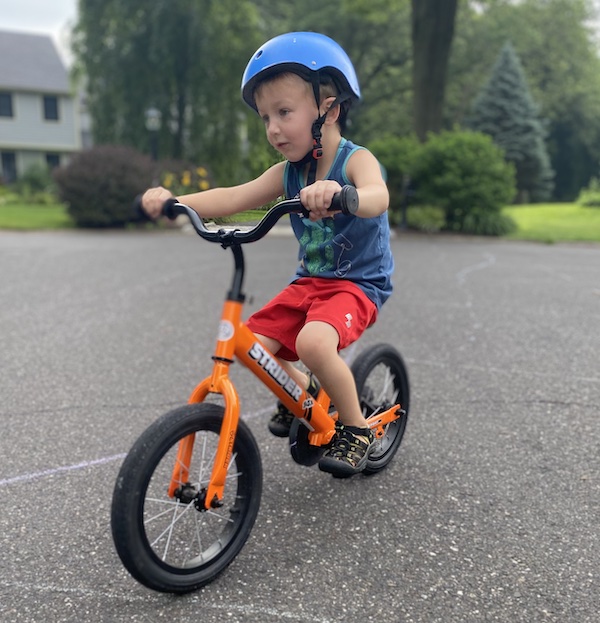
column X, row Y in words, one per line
column 332, row 113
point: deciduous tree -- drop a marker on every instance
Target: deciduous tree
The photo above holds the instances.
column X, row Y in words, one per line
column 432, row 33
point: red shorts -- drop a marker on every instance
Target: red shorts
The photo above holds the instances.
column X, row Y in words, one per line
column 342, row 304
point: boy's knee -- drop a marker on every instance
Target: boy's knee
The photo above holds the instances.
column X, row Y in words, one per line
column 314, row 346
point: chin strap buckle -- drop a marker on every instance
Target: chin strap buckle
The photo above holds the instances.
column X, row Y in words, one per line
column 317, row 151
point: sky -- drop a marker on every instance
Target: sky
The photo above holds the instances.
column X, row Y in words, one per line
column 55, row 17
column 50, row 17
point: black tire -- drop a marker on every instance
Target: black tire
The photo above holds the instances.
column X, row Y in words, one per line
column 168, row 544
column 382, row 381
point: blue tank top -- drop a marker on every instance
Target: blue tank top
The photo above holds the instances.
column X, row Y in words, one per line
column 344, row 246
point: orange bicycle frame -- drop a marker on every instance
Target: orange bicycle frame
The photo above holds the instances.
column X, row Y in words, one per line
column 236, row 339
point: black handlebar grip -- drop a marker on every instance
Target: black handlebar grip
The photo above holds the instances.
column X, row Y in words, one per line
column 346, row 201
column 167, row 209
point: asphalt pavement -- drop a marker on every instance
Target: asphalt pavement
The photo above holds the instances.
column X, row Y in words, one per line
column 490, row 512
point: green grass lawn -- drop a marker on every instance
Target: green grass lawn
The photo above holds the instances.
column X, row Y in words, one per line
column 54, row 216
column 555, row 222
column 20, row 216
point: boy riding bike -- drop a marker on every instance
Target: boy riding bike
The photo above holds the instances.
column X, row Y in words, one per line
column 302, row 85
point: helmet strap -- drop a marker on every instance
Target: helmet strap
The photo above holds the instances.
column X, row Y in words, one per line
column 316, row 152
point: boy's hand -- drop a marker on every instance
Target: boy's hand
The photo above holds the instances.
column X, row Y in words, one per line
column 317, row 198
column 153, row 200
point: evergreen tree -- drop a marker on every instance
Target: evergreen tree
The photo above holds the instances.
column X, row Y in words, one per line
column 506, row 111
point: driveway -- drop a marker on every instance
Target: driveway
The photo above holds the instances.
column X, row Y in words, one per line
column 489, row 512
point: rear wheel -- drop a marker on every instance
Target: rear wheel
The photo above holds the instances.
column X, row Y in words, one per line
column 175, row 544
column 381, row 382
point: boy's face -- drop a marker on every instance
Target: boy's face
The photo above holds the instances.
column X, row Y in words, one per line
column 287, row 106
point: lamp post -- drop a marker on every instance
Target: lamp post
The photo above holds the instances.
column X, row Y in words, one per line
column 153, row 123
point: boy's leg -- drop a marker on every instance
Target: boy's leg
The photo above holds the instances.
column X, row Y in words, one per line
column 317, row 345
column 281, row 421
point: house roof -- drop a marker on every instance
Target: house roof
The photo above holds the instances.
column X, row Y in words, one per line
column 30, row 62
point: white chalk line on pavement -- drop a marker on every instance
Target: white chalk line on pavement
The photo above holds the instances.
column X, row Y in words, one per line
column 461, row 275
column 348, row 356
column 228, row 608
column 46, row 473
column 57, row 470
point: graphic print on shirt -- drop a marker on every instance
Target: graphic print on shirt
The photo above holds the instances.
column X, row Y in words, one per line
column 319, row 241
column 342, row 266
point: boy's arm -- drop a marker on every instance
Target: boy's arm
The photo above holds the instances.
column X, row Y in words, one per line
column 222, row 201
column 364, row 173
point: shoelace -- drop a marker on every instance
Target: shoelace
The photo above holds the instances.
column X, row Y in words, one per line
column 283, row 415
column 349, row 447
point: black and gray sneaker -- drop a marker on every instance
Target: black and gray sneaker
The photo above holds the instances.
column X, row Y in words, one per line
column 281, row 421
column 349, row 452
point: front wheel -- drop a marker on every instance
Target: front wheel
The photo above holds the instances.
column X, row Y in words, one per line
column 173, row 544
column 381, row 382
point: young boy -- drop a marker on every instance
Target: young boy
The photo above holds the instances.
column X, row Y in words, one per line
column 302, row 85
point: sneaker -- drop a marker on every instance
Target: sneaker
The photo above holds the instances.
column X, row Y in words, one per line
column 349, row 453
column 281, row 421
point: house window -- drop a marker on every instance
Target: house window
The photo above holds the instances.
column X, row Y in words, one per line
column 53, row 160
column 9, row 166
column 6, row 105
column 50, row 107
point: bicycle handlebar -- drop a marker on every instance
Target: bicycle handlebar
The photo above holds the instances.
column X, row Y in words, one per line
column 345, row 201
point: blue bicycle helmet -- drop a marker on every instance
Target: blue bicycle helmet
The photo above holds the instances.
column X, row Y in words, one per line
column 315, row 58
column 306, row 54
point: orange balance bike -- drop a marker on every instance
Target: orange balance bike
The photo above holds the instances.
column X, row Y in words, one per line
column 188, row 492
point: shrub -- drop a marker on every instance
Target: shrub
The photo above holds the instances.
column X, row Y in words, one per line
column 100, row 184
column 36, row 185
column 425, row 218
column 8, row 195
column 590, row 197
column 465, row 174
column 485, row 223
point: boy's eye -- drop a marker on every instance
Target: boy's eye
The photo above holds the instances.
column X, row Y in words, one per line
column 283, row 112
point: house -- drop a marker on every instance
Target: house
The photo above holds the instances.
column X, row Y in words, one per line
column 39, row 113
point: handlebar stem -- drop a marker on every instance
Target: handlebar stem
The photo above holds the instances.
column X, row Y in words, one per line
column 237, row 282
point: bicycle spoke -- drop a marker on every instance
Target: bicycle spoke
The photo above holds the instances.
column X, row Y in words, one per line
column 175, row 543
